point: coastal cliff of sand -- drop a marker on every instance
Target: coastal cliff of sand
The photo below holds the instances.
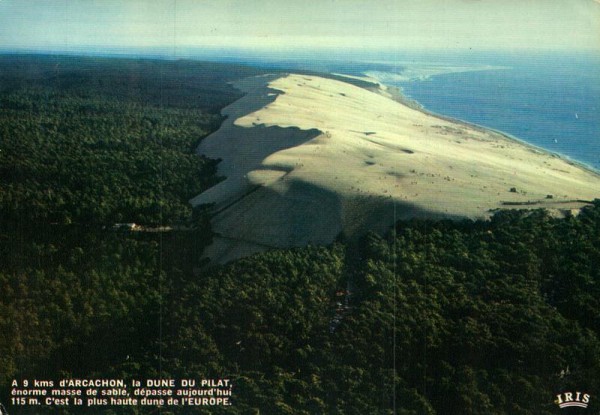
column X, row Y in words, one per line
column 307, row 158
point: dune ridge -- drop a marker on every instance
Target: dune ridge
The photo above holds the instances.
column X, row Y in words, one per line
column 308, row 158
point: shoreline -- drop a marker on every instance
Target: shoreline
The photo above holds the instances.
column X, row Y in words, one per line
column 397, row 95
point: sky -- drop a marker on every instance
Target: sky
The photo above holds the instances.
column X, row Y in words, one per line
column 65, row 25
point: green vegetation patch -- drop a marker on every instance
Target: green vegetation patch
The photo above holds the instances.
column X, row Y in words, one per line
column 87, row 140
column 436, row 318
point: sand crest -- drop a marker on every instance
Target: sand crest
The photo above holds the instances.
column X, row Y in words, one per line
column 308, row 158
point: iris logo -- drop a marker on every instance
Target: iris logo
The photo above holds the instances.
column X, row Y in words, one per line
column 570, row 399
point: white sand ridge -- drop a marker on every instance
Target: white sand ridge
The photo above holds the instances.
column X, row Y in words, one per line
column 308, row 158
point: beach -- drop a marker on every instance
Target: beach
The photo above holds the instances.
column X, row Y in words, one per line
column 307, row 159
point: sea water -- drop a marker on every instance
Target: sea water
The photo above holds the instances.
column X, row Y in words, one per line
column 549, row 100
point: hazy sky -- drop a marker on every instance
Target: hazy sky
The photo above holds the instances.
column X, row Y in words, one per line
column 285, row 24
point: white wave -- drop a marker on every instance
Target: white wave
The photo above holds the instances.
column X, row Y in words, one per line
column 419, row 72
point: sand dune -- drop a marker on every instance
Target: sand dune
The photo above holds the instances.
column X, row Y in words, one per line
column 308, row 158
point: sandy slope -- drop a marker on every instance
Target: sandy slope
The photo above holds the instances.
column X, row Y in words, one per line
column 307, row 158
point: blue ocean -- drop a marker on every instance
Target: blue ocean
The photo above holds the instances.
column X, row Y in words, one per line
column 550, row 101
